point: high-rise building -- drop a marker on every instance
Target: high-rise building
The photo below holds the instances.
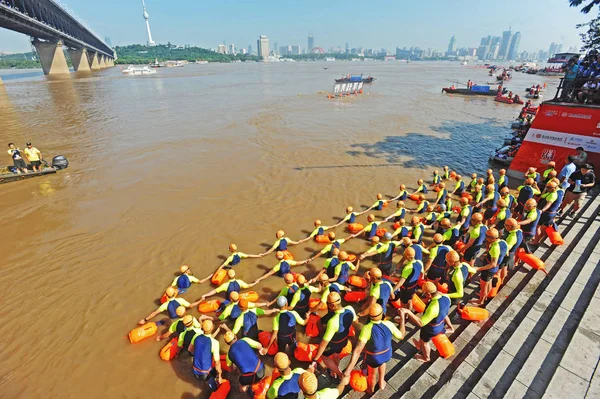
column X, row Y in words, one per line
column 250, row 49
column 513, row 49
column 244, row 51
column 552, row 49
column 452, row 45
column 231, row 49
column 505, row 44
column 311, row 42
column 146, row 17
column 295, row 49
column 222, row 49
column 263, row 46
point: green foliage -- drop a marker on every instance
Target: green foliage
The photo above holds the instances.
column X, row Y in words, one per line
column 591, row 37
column 18, row 63
column 587, row 8
column 140, row 54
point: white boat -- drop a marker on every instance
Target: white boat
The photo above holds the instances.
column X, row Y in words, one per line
column 330, row 59
column 202, row 62
column 133, row 70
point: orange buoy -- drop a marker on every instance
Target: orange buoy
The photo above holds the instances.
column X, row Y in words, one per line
column 396, row 225
column 223, row 360
column 554, row 236
column 532, row 260
column 456, row 209
column 443, row 345
column 140, row 333
column 358, row 381
column 355, row 296
column 222, row 391
column 287, row 255
column 351, row 257
column 421, row 281
column 261, row 388
column 314, row 302
column 354, row 227
column 312, row 326
column 460, row 245
column 170, row 350
column 414, row 197
column 250, row 296
column 437, row 189
column 347, row 350
column 209, row 306
column 357, row 281
column 305, row 352
column 218, row 277
column 496, row 283
column 452, row 174
column 164, row 298
column 380, row 232
column 264, row 337
column 467, row 196
column 473, row 313
column 443, row 288
column 393, row 279
column 385, row 204
column 396, row 304
column 322, row 239
column 418, row 304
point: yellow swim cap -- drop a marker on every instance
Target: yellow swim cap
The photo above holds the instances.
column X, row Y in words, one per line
column 281, row 361
column 308, row 383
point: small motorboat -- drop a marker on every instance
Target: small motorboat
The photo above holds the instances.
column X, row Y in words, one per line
column 534, row 96
column 9, row 174
column 504, row 155
column 468, row 92
column 352, row 79
column 136, row 71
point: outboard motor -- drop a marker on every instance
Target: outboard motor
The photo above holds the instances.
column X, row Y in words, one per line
column 60, row 162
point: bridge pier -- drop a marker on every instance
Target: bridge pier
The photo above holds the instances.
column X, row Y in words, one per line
column 101, row 61
column 80, row 60
column 93, row 59
column 52, row 57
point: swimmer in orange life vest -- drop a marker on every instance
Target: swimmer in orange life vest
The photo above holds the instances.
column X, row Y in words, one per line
column 349, row 218
column 281, row 244
column 318, row 231
column 370, row 229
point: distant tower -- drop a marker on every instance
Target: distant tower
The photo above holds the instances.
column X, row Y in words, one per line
column 263, row 46
column 452, row 45
column 311, row 43
column 146, row 16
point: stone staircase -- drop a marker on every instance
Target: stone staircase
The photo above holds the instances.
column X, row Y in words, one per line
column 542, row 338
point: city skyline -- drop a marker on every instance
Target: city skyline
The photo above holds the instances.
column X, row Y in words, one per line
column 290, row 23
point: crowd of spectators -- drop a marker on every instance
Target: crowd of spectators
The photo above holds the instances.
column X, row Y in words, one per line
column 581, row 82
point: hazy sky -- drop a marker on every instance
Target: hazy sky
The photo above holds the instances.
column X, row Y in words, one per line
column 370, row 24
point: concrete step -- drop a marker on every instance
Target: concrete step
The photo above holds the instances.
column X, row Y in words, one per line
column 485, row 351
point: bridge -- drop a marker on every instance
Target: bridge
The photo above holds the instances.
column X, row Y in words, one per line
column 53, row 29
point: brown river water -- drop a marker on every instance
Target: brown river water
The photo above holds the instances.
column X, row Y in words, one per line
column 169, row 169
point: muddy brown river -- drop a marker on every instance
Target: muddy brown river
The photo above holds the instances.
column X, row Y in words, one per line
column 169, row 169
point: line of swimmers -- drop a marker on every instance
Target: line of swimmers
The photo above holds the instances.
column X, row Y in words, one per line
column 441, row 279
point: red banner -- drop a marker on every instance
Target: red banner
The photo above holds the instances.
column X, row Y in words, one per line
column 557, row 130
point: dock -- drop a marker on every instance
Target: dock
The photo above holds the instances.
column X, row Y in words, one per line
column 542, row 339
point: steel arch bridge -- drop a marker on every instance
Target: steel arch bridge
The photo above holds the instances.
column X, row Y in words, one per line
column 316, row 50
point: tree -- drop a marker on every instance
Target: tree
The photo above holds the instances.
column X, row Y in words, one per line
column 587, row 8
column 590, row 38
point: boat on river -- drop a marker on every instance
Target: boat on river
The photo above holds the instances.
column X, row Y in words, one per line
column 135, row 71
column 467, row 92
column 9, row 174
column 352, row 79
